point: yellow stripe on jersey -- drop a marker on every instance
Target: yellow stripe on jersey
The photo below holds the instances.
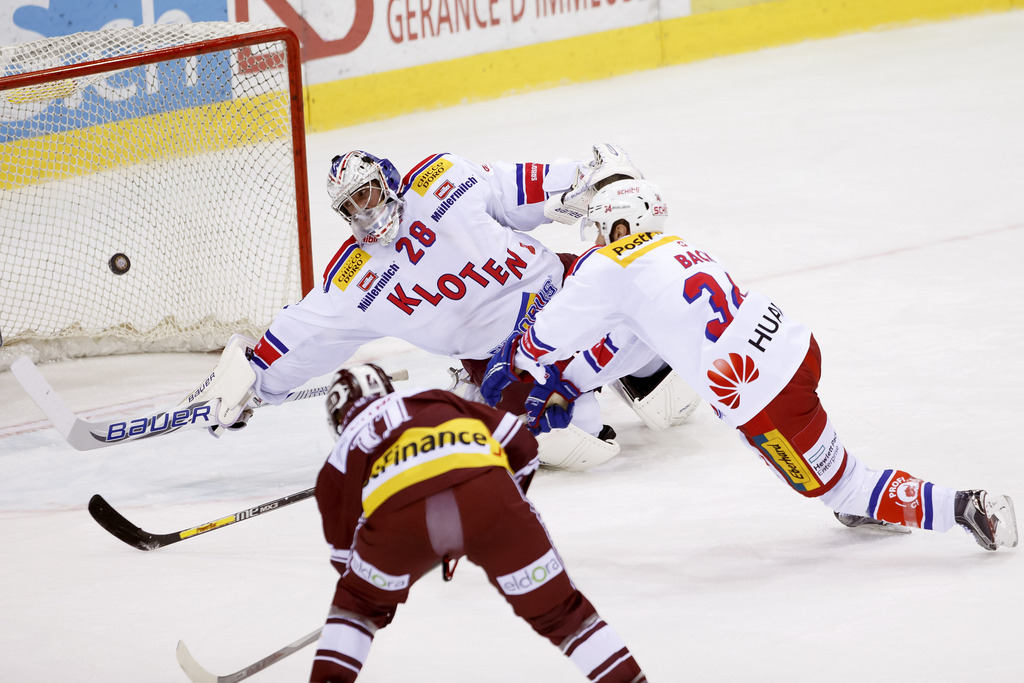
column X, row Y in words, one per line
column 424, row 452
column 632, row 247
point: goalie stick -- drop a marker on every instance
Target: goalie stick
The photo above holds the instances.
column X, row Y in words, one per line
column 83, row 435
column 197, row 674
column 115, row 523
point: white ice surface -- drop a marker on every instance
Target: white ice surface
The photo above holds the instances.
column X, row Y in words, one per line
column 873, row 185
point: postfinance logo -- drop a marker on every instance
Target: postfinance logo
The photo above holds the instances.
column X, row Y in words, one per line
column 421, row 453
column 532, row 576
column 632, row 247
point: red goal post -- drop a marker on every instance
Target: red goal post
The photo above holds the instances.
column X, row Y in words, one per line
column 153, row 192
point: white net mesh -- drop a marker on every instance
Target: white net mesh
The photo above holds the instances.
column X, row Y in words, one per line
column 185, row 166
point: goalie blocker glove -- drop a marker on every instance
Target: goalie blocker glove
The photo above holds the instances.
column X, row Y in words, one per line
column 230, row 389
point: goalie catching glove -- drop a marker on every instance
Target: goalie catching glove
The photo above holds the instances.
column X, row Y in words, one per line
column 610, row 163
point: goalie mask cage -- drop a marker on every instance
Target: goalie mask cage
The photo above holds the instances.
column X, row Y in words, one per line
column 153, row 189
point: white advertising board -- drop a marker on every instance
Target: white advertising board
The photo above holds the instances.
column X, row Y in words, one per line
column 348, row 38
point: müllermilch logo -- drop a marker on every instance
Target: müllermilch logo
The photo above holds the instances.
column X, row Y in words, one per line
column 730, row 376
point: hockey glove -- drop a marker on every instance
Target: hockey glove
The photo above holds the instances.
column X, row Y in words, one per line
column 550, row 405
column 229, row 390
column 240, row 422
column 501, row 371
column 610, row 162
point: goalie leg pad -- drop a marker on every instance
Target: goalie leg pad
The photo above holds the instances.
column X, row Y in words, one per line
column 573, row 449
column 662, row 400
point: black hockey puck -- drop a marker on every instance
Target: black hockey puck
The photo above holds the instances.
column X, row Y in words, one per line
column 119, row 264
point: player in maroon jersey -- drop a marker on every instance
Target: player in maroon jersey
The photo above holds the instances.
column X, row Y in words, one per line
column 421, row 478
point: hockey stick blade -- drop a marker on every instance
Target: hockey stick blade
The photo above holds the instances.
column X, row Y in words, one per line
column 40, row 391
column 197, row 674
column 116, row 523
column 84, row 435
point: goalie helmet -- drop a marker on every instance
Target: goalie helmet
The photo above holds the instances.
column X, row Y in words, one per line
column 364, row 191
column 637, row 202
column 354, row 387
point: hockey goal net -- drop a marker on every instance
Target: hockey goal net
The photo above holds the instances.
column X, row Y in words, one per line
column 152, row 189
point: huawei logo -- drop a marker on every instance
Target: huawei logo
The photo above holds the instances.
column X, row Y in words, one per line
column 731, row 374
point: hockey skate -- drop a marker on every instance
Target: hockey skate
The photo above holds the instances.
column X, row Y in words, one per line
column 854, row 521
column 989, row 518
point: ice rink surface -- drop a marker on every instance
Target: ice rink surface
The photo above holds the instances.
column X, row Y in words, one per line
column 871, row 185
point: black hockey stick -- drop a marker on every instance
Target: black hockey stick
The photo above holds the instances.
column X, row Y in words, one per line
column 197, row 674
column 114, row 522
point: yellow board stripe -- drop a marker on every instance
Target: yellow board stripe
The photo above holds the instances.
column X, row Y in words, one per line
column 184, row 132
column 716, row 28
column 482, row 77
column 781, row 22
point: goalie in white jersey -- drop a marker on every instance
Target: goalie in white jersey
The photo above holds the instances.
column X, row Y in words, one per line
column 755, row 366
column 443, row 259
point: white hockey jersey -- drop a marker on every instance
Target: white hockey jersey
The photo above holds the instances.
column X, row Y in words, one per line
column 460, row 275
column 736, row 350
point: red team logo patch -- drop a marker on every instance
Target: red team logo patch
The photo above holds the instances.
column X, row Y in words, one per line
column 732, row 373
column 367, row 281
column 444, row 190
column 901, row 503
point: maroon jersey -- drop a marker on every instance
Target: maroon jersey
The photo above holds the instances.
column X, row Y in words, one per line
column 421, row 478
column 408, row 445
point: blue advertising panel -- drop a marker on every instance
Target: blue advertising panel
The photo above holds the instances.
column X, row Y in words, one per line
column 62, row 17
column 123, row 95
